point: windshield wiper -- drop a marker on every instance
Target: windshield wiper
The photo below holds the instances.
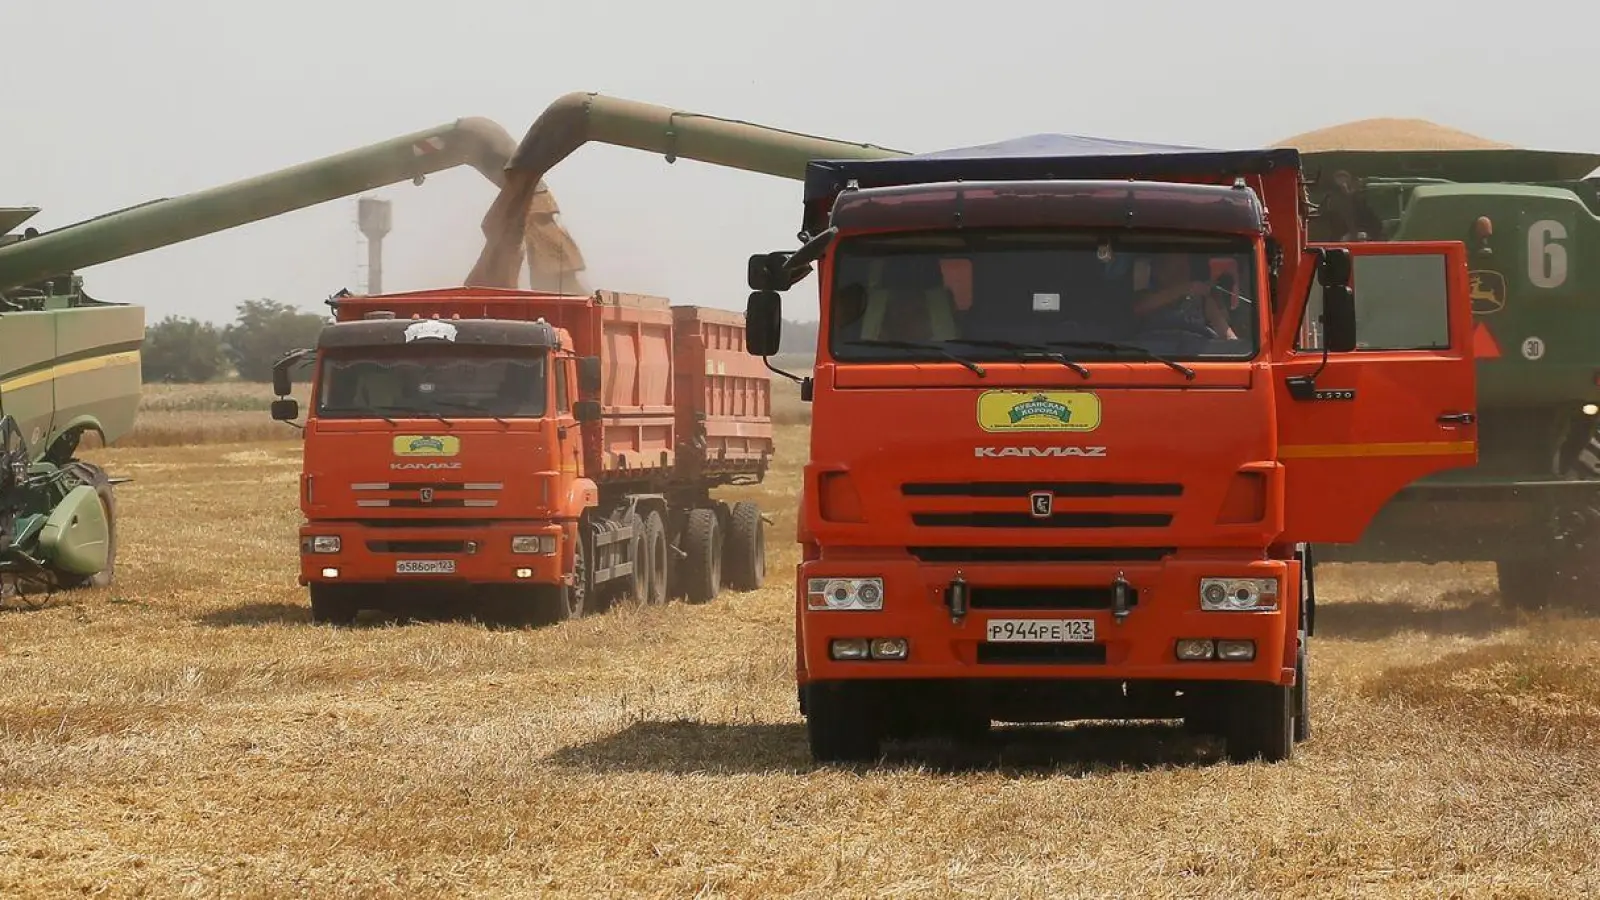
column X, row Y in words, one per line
column 473, row 407
column 924, row 345
column 1022, row 350
column 1114, row 347
column 371, row 410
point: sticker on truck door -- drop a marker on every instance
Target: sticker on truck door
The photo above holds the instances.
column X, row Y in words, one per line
column 426, row 445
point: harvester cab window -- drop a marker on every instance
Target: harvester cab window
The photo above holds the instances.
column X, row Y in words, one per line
column 1402, row 303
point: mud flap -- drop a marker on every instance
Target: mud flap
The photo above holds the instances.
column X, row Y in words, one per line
column 76, row 537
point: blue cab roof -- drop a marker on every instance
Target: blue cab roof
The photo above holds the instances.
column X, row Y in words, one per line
column 1042, row 156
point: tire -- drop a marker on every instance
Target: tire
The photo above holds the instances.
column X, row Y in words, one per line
column 1302, row 694
column 95, row 477
column 1261, row 723
column 1525, row 583
column 637, row 584
column 747, row 548
column 333, row 604
column 702, row 540
column 559, row 602
column 656, row 552
column 839, row 728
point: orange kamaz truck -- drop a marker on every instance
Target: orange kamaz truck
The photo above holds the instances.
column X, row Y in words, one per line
column 545, row 453
column 1078, row 408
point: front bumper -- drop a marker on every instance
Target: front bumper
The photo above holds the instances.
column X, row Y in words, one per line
column 431, row 554
column 1140, row 648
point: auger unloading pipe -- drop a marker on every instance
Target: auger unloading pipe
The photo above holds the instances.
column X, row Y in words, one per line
column 472, row 141
column 578, row 118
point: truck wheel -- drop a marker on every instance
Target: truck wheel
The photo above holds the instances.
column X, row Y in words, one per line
column 1261, row 723
column 747, row 548
column 839, row 727
column 1302, row 695
column 95, row 477
column 1525, row 583
column 702, row 540
column 575, row 599
column 333, row 604
column 655, row 549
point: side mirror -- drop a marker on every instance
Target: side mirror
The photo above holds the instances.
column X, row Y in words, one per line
column 280, row 378
column 286, row 409
column 1334, row 270
column 588, row 374
column 1339, row 318
column 763, row 323
column 586, row 411
column 765, row 271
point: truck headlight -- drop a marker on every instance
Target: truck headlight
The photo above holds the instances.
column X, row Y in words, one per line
column 534, row 543
column 323, row 543
column 844, row 593
column 1238, row 594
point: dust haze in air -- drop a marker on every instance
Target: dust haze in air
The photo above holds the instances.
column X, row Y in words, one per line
column 207, row 93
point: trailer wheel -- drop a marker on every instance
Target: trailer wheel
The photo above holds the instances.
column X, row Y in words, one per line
column 333, row 604
column 839, row 727
column 638, row 583
column 702, row 540
column 655, row 551
column 1261, row 723
column 95, row 477
column 747, row 548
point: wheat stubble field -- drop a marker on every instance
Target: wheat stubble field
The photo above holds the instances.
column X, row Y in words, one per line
column 190, row 733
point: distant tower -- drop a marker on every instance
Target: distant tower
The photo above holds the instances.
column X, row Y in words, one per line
column 373, row 218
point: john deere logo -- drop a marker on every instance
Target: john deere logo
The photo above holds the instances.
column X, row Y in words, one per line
column 1487, row 288
column 1038, row 411
column 426, row 445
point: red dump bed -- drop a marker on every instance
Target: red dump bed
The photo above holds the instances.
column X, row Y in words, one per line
column 680, row 398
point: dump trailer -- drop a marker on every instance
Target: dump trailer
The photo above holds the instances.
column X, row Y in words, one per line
column 1531, row 223
column 70, row 363
column 1078, row 410
column 547, row 452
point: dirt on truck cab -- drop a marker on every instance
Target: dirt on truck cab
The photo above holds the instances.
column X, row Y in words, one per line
column 547, row 453
column 1114, row 394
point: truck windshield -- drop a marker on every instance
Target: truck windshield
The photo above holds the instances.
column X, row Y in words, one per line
column 995, row 295
column 433, row 383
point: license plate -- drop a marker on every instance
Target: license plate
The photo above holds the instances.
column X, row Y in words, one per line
column 1040, row 631
column 424, row 566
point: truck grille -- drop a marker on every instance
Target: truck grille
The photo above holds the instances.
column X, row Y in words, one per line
column 427, row 495
column 1142, row 504
column 971, row 554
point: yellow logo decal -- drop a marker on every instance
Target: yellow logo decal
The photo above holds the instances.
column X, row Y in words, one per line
column 1488, row 291
column 1038, row 411
column 426, row 445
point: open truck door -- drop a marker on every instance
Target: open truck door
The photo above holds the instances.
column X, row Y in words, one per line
column 1355, row 425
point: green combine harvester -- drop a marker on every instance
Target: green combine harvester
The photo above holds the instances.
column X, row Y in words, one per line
column 70, row 363
column 1531, row 223
column 1528, row 218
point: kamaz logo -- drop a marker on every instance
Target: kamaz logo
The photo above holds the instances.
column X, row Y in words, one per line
column 1041, row 452
column 437, row 465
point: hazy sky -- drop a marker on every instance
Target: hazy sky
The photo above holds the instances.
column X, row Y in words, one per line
column 112, row 103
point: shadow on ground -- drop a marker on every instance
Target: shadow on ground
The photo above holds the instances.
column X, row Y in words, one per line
column 1469, row 614
column 684, row 748
column 258, row 614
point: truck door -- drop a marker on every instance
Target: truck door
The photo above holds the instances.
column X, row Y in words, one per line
column 1399, row 407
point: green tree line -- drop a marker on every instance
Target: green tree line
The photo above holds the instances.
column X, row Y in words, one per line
column 188, row 351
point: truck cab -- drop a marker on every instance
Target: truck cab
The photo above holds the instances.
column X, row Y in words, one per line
column 1076, row 416
column 438, row 455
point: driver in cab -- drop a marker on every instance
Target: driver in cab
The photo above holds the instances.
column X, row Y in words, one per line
column 1177, row 299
